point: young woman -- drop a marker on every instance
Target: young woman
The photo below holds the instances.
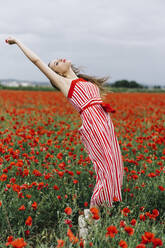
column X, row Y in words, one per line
column 97, row 131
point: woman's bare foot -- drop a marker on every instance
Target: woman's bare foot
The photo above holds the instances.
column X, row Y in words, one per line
column 83, row 227
column 91, row 216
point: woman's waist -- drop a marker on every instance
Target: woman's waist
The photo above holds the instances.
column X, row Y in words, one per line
column 105, row 106
column 91, row 103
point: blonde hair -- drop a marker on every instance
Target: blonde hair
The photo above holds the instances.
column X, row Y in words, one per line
column 99, row 81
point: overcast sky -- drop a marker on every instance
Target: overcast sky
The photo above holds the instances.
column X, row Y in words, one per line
column 123, row 39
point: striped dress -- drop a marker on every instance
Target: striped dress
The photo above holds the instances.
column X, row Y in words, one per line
column 98, row 136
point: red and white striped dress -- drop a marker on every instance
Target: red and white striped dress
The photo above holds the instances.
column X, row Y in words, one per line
column 98, row 136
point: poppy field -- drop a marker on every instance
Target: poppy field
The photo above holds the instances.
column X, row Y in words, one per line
column 47, row 178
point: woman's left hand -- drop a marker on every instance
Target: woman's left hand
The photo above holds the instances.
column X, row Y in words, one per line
column 11, row 40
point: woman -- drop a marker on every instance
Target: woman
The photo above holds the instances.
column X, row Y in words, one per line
column 97, row 131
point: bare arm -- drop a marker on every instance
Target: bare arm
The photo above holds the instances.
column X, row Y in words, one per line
column 55, row 78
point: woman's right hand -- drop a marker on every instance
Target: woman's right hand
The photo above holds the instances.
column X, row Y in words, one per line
column 11, row 40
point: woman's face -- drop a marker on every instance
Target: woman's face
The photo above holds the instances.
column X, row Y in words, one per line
column 61, row 66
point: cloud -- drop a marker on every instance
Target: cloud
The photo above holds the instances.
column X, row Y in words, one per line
column 121, row 38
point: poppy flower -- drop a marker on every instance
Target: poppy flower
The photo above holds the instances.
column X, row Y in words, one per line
column 123, row 244
column 18, row 243
column 129, row 230
column 68, row 210
column 71, row 236
column 28, row 221
column 95, row 213
column 60, row 243
column 111, row 231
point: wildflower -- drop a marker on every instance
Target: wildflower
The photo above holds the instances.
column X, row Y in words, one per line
column 18, row 243
column 147, row 237
column 111, row 231
column 56, row 187
column 141, row 208
column 133, row 222
column 28, row 221
column 155, row 212
column 81, row 244
column 123, row 244
column 142, row 217
column 71, row 236
column 125, row 211
column 60, row 155
column 129, row 230
column 27, row 232
column 22, row 208
column 115, row 199
column 95, row 213
column 68, row 222
column 3, row 177
column 60, row 243
column 34, row 205
column 61, row 173
column 141, row 246
column 68, row 210
column 28, row 196
column 157, row 242
column 122, row 223
column 161, row 188
column 9, row 239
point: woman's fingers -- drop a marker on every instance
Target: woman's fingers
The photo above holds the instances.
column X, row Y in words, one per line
column 10, row 40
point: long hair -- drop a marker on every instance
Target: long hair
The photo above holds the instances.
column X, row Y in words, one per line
column 99, row 81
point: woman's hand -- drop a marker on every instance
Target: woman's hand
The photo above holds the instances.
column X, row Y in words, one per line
column 11, row 40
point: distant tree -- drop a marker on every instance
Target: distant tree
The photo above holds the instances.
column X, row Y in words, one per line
column 126, row 84
column 156, row 86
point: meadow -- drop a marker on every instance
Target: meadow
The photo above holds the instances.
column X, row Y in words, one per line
column 47, row 179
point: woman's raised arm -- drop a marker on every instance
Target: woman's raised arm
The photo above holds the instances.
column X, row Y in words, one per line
column 55, row 78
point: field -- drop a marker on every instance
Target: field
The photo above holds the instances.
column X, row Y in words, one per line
column 46, row 176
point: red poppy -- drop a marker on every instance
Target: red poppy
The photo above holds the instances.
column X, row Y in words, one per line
column 60, row 243
column 71, row 236
column 68, row 210
column 111, row 231
column 129, row 230
column 18, row 243
column 95, row 213
column 28, row 221
column 123, row 244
